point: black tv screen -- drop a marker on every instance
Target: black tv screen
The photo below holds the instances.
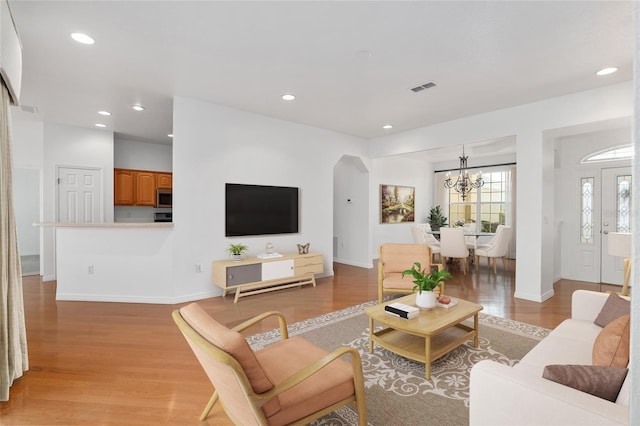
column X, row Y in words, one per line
column 260, row 210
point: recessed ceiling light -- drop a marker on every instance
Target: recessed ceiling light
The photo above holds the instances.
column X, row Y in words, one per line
column 100, row 125
column 170, row 135
column 387, row 126
column 288, row 97
column 104, row 113
column 138, row 107
column 607, row 71
column 82, row 38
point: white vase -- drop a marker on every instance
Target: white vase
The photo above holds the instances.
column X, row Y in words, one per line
column 426, row 300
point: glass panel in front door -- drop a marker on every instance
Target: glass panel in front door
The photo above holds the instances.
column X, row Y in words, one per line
column 623, row 203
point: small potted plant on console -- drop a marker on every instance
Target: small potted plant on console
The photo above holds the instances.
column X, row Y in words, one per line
column 236, row 251
column 425, row 282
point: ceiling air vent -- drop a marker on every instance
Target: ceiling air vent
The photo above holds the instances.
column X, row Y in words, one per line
column 424, row 86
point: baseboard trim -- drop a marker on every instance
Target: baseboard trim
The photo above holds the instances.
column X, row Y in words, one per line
column 48, row 278
column 534, row 297
column 352, row 263
column 136, row 299
column 198, row 296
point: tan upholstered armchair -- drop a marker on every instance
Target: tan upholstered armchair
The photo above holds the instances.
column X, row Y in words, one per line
column 291, row 381
column 395, row 258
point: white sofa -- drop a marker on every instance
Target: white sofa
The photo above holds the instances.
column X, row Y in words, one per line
column 519, row 395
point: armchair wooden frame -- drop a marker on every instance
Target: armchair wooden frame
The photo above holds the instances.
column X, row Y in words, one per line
column 257, row 400
column 390, row 290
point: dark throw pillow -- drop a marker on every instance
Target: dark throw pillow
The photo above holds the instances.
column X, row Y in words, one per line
column 603, row 382
column 613, row 308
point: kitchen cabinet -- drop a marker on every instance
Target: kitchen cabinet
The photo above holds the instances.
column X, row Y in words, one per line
column 138, row 187
column 164, row 180
column 124, row 182
column 145, row 188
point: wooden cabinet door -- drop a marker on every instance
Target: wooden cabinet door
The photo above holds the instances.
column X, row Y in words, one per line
column 145, row 189
column 164, row 180
column 123, row 181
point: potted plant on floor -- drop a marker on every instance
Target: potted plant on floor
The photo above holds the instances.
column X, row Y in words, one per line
column 436, row 219
column 236, row 251
column 425, row 282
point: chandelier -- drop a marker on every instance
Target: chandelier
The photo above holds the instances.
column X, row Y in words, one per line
column 464, row 184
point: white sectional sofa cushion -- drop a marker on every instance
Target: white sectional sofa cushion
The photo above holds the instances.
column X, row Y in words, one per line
column 503, row 395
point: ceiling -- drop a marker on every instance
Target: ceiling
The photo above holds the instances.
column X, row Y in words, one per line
column 350, row 64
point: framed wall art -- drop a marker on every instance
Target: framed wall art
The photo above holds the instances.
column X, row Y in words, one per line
column 397, row 203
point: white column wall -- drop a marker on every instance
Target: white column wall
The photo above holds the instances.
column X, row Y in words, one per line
column 634, row 398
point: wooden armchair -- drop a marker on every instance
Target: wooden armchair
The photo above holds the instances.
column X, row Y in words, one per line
column 395, row 258
column 291, row 381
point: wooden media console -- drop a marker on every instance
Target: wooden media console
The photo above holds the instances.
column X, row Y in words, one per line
column 253, row 275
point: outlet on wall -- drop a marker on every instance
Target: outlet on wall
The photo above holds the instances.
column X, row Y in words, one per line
column 198, row 268
column 90, row 269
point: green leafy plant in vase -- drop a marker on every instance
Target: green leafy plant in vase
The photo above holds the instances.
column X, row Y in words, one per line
column 425, row 282
column 236, row 251
column 436, row 219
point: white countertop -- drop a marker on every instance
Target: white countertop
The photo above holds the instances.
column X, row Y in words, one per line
column 162, row 225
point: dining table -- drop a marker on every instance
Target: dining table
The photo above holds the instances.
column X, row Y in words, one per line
column 469, row 233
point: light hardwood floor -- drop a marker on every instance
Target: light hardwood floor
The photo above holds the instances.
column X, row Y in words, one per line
column 127, row 364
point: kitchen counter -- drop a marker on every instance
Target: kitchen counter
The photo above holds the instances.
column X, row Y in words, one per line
column 105, row 224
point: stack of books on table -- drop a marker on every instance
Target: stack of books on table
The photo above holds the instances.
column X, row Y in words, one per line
column 401, row 310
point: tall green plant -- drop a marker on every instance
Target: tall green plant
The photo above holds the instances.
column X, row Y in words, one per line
column 436, row 219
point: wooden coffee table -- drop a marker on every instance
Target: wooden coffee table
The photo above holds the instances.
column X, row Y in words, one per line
column 426, row 337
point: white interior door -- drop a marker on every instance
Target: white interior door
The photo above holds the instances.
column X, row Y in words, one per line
column 79, row 195
column 616, row 217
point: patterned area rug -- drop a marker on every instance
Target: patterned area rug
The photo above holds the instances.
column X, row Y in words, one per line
column 397, row 392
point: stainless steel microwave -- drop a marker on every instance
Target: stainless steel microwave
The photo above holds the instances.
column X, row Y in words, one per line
column 164, row 198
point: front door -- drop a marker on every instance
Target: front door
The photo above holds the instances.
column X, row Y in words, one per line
column 616, row 217
column 79, row 195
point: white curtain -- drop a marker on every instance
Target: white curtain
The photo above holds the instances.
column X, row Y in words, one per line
column 13, row 335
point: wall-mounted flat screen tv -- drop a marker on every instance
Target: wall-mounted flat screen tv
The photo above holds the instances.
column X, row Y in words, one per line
column 260, row 210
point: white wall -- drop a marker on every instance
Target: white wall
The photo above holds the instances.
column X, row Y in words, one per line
column 27, row 137
column 214, row 145
column 26, row 204
column 351, row 212
column 530, row 124
column 130, row 154
column 127, row 265
column 72, row 147
column 27, row 159
column 396, row 170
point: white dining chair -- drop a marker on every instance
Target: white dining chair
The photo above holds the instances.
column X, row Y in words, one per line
column 498, row 247
column 454, row 246
column 470, row 239
column 421, row 235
